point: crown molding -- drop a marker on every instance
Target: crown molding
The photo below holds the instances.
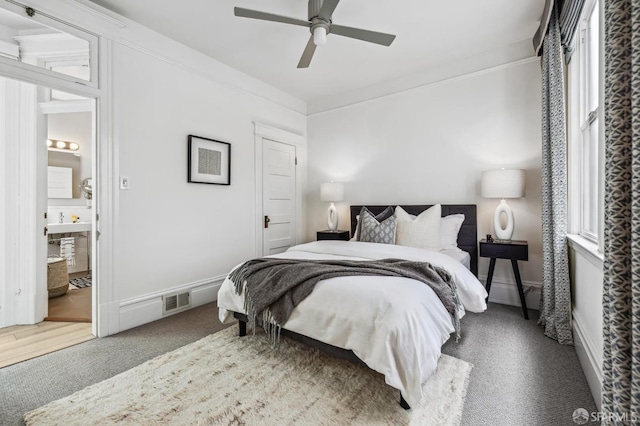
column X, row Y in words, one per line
column 87, row 10
column 79, row 13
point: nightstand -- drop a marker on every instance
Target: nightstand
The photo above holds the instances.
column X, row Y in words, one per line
column 332, row 235
column 512, row 250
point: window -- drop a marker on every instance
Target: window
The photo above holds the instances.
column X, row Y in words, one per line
column 584, row 121
column 35, row 39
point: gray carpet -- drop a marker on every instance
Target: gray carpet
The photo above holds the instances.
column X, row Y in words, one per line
column 519, row 377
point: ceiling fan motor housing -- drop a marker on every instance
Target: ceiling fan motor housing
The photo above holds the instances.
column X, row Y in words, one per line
column 314, row 8
column 317, row 22
column 314, row 11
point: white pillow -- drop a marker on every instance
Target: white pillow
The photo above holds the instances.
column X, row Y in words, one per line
column 449, row 229
column 355, row 234
column 421, row 232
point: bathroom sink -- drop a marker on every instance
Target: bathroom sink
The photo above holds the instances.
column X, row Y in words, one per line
column 58, row 228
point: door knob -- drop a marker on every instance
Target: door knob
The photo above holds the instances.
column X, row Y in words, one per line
column 266, row 221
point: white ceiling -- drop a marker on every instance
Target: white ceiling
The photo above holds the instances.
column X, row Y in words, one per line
column 429, row 34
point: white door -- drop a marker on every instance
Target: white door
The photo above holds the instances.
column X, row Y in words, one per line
column 23, row 278
column 278, row 196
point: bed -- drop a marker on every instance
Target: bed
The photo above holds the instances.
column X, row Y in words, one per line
column 395, row 326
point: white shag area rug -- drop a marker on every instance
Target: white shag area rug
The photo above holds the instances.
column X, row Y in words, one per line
column 226, row 379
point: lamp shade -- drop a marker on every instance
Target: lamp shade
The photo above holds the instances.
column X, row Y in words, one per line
column 502, row 183
column 333, row 191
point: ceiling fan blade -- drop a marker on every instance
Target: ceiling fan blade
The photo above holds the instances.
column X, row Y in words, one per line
column 364, row 35
column 264, row 16
column 305, row 60
column 328, row 6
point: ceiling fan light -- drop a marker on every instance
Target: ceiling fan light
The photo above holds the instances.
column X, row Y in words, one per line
column 319, row 36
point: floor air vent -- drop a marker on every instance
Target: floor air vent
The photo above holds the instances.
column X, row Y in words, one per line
column 175, row 302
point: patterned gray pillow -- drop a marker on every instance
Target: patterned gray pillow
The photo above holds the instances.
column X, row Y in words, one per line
column 386, row 213
column 373, row 231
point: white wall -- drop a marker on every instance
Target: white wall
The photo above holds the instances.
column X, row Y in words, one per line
column 429, row 145
column 586, row 289
column 170, row 232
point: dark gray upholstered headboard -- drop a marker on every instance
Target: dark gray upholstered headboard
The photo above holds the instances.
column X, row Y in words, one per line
column 467, row 237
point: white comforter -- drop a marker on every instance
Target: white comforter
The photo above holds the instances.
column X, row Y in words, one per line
column 397, row 326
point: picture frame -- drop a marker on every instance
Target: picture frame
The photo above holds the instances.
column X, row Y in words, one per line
column 209, row 161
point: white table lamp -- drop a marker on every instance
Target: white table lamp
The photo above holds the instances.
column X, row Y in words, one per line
column 503, row 184
column 332, row 192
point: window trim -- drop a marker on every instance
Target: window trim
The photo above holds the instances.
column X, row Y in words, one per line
column 579, row 120
column 587, row 249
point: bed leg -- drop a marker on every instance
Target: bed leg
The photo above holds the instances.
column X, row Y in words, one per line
column 242, row 328
column 403, row 403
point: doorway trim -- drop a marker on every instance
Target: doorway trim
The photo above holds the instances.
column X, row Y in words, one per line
column 290, row 137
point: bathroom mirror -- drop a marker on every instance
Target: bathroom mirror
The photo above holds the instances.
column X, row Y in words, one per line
column 70, row 145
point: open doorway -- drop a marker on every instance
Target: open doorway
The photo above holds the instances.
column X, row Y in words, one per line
column 70, row 134
column 48, row 150
column 48, row 75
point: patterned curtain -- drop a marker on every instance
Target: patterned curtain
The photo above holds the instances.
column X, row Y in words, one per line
column 555, row 311
column 621, row 284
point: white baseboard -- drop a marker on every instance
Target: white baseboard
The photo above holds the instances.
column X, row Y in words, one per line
column 591, row 364
column 506, row 292
column 108, row 315
column 144, row 309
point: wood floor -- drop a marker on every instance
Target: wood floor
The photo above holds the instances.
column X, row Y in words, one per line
column 22, row 342
column 68, row 323
column 73, row 306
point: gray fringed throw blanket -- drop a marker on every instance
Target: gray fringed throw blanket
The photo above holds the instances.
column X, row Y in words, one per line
column 274, row 287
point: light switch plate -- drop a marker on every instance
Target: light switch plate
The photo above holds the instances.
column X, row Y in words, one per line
column 124, row 182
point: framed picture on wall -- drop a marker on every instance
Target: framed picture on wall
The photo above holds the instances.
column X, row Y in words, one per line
column 209, row 161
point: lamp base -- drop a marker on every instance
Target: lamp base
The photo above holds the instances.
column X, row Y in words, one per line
column 332, row 217
column 505, row 233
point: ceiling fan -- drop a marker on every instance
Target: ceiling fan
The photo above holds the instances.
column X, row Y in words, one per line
column 320, row 24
